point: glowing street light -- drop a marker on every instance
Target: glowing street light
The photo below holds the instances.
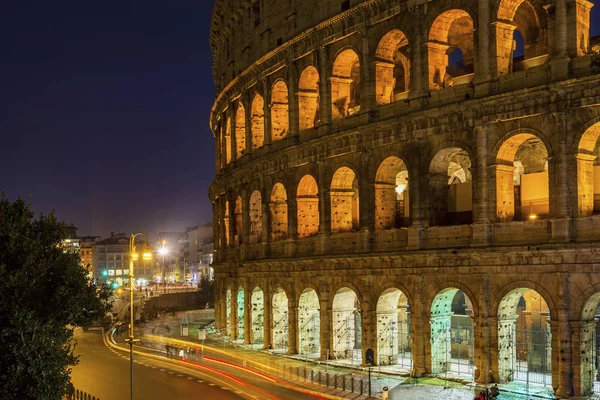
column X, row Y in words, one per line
column 134, row 256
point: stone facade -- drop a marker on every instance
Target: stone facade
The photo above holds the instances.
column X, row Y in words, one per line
column 385, row 163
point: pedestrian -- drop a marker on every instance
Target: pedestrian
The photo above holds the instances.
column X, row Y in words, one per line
column 494, row 391
column 181, row 354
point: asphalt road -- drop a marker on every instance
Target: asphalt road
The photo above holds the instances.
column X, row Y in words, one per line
column 104, row 373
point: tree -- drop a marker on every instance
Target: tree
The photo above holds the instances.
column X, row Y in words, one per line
column 44, row 294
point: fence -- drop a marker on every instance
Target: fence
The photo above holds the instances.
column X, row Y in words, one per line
column 80, row 395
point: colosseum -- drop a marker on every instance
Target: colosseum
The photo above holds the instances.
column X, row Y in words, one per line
column 416, row 177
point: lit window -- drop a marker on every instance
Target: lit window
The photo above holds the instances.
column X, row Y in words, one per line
column 111, row 272
column 119, row 272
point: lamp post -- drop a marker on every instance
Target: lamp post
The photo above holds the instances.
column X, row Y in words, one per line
column 133, row 256
column 163, row 251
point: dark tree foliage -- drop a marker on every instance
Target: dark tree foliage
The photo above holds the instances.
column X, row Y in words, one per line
column 44, row 293
column 207, row 286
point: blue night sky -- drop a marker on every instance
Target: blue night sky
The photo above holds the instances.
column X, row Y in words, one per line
column 104, row 111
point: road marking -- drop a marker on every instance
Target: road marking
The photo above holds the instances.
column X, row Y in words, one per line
column 170, row 372
column 199, row 381
column 238, row 392
column 224, row 388
column 162, row 370
column 211, row 384
column 179, row 375
column 190, row 378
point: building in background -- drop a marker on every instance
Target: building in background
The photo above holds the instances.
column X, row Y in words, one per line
column 194, row 252
column 70, row 241
column 172, row 264
column 86, row 250
column 111, row 261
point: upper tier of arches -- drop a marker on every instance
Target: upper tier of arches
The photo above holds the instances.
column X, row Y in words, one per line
column 395, row 61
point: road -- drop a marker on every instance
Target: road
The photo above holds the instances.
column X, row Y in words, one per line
column 104, row 372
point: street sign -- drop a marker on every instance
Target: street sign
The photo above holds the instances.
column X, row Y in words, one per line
column 370, row 355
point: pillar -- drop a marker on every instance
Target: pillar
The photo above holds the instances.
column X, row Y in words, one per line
column 505, row 192
column 293, row 107
column 233, row 318
column 565, row 360
column 578, row 27
column 559, row 60
column 268, row 318
column 483, row 22
column 419, row 83
column 585, row 184
column 369, row 331
column 584, row 371
column 368, row 88
column 267, row 111
column 438, row 198
column 559, row 184
column 326, row 334
column 292, row 326
column 248, row 117
column 324, row 87
column 503, row 46
column 247, row 315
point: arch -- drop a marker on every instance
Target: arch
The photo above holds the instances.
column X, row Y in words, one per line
column 392, row 209
column 392, row 67
column 280, row 124
column 522, row 181
column 524, row 337
column 452, row 338
column 309, row 323
column 240, row 313
column 451, row 30
column 228, row 312
column 239, row 221
column 307, row 199
column 347, row 325
column 450, row 187
column 256, row 219
column 308, row 98
column 278, row 208
column 345, row 84
column 257, row 302
column 257, row 122
column 393, row 329
column 280, row 319
column 527, row 17
column 588, row 193
column 240, row 130
column 344, row 201
column 589, row 346
column 228, row 141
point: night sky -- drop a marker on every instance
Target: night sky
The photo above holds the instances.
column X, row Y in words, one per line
column 104, row 111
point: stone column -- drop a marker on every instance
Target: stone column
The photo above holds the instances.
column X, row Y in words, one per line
column 436, row 57
column 369, row 334
column 290, row 245
column 585, row 184
column 222, row 233
column 366, row 204
column 582, row 341
column 368, row 88
column 267, row 111
column 419, row 83
column 483, row 28
column 503, row 46
column 559, row 62
column 218, row 300
column 293, row 108
column 268, row 318
column 438, row 198
column 556, row 374
column 233, row 133
column 247, row 315
column 566, row 367
column 232, row 223
column 324, row 88
column 578, row 27
column 483, row 338
column 217, row 134
column 266, row 226
column 505, row 192
column 233, row 318
column 421, row 344
column 559, row 184
column 326, row 334
column 292, row 327
column 248, row 117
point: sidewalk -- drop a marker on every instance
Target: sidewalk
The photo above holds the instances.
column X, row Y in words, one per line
column 326, row 377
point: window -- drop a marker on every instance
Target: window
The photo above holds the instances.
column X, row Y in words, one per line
column 119, row 272
column 111, row 257
column 111, row 272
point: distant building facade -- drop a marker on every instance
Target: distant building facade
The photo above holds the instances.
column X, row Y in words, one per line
column 111, row 261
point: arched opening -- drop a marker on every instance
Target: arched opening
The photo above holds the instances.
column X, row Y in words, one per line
column 347, row 326
column 239, row 221
column 279, row 213
column 258, row 309
column 451, row 31
column 228, row 313
column 257, row 121
column 590, row 346
column 345, row 85
column 392, row 207
column 255, row 217
column 309, row 324
column 521, row 35
column 280, row 320
column 588, row 172
column 452, row 338
column 392, row 68
column 344, row 201
column 308, row 98
column 240, row 314
column 522, row 191
column 307, row 199
column 240, row 130
column 228, row 141
column 393, row 329
column 280, row 124
column 524, row 338
column 450, row 188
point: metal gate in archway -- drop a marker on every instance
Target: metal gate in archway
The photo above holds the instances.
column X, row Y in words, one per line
column 533, row 352
column 395, row 333
column 458, row 344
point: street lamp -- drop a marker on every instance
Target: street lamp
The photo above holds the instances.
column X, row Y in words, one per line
column 134, row 256
column 163, row 251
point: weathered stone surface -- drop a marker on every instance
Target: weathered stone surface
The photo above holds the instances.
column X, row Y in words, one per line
column 364, row 180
